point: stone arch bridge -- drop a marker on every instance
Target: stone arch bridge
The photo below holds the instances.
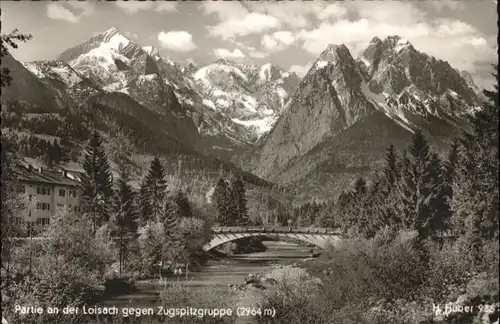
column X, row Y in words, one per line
column 321, row 237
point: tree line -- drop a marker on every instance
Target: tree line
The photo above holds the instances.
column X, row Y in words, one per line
column 417, row 190
column 151, row 209
column 79, row 255
column 230, row 202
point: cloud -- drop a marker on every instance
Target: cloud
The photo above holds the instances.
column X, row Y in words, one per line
column 69, row 11
column 299, row 14
column 167, row 6
column 236, row 19
column 133, row 7
column 224, row 53
column 445, row 4
column 252, row 51
column 383, row 19
column 301, row 70
column 253, row 23
column 331, row 11
column 258, row 54
column 133, row 36
column 224, row 10
column 278, row 41
column 239, row 19
column 177, row 40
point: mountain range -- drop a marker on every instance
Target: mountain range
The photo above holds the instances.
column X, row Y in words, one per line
column 312, row 134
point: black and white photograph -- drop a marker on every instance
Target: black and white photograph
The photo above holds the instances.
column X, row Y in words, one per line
column 250, row 162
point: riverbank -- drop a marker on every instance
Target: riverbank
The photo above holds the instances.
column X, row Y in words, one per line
column 219, row 271
column 388, row 281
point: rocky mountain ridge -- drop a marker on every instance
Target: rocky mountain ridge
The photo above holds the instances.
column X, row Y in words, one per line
column 228, row 102
column 346, row 112
column 50, row 101
column 307, row 132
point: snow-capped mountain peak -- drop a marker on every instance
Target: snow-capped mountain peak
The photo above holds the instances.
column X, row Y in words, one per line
column 110, row 32
column 397, row 43
column 380, row 98
column 113, row 33
column 152, row 51
column 252, row 96
column 334, row 52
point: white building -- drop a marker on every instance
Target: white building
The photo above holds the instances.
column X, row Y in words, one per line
column 46, row 191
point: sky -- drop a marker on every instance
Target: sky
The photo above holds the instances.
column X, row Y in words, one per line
column 290, row 34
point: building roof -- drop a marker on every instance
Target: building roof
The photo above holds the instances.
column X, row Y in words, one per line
column 27, row 174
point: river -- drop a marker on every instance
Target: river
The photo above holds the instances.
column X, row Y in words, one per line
column 222, row 273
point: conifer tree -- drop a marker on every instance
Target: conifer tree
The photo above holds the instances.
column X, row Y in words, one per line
column 439, row 206
column 65, row 147
column 405, row 193
column 359, row 186
column 125, row 213
column 170, row 218
column 390, row 170
column 475, row 199
column 57, row 152
column 417, row 188
column 124, row 207
column 183, row 205
column 220, row 200
column 96, row 182
column 326, row 218
column 377, row 211
column 239, row 197
column 450, row 166
column 231, row 208
column 354, row 213
column 154, row 188
column 145, row 207
column 53, row 154
column 48, row 156
column 383, row 207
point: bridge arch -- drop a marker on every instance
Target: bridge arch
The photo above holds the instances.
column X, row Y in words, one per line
column 317, row 239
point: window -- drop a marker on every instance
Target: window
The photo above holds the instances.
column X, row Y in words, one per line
column 45, row 221
column 18, row 220
column 21, row 189
column 30, row 197
column 77, row 208
column 62, row 192
column 43, row 206
column 60, row 206
column 39, row 221
column 72, row 193
column 42, row 191
column 70, row 208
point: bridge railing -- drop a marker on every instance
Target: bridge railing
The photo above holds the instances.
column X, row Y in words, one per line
column 279, row 229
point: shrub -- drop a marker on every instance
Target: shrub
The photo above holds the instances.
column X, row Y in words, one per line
column 296, row 298
column 68, row 270
column 118, row 286
column 176, row 295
